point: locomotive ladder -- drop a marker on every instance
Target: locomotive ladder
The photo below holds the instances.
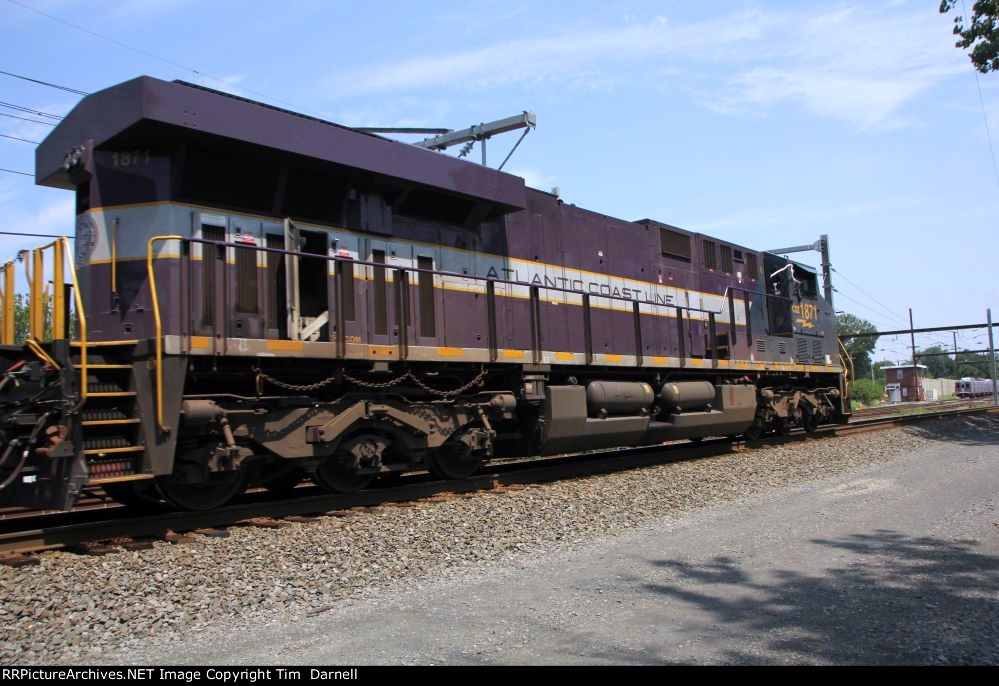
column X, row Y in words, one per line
column 111, row 422
column 106, row 409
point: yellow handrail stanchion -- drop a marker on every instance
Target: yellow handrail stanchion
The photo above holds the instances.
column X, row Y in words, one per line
column 37, row 305
column 853, row 368
column 7, row 306
column 159, row 326
column 58, row 292
column 81, row 320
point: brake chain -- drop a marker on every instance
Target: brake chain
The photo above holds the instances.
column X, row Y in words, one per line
column 371, row 385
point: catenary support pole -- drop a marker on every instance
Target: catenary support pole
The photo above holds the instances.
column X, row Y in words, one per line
column 827, row 287
column 957, row 367
column 915, row 372
column 992, row 357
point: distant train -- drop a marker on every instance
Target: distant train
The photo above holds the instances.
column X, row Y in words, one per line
column 973, row 388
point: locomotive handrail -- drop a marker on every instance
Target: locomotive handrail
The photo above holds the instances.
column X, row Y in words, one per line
column 81, row 318
column 683, row 310
column 158, row 322
column 7, row 304
column 853, row 367
column 338, row 258
column 706, row 315
column 38, row 296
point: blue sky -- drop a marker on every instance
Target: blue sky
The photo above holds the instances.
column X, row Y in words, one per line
column 764, row 123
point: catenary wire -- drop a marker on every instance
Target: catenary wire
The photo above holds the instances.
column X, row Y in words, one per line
column 45, row 83
column 154, row 56
column 34, row 121
column 15, row 138
column 28, row 110
column 887, row 309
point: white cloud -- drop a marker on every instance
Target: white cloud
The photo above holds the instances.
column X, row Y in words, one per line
column 848, row 65
column 853, row 64
column 545, row 59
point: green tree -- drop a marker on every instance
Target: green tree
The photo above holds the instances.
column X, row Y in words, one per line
column 938, row 366
column 980, row 33
column 21, row 317
column 879, row 373
column 974, row 365
column 860, row 349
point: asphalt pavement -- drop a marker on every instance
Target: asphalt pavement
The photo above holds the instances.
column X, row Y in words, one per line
column 893, row 565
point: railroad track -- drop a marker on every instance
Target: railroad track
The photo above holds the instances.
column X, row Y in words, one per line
column 97, row 526
column 919, row 408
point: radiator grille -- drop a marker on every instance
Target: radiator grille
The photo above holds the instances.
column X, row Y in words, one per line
column 803, row 355
column 817, row 356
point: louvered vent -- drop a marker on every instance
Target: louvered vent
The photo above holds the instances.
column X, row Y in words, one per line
column 760, row 345
column 782, row 347
column 817, row 356
column 803, row 356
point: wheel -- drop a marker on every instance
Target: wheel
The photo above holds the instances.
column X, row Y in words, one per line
column 782, row 427
column 754, row 432
column 696, row 439
column 338, row 475
column 193, row 486
column 136, row 495
column 453, row 462
column 810, row 422
column 197, row 496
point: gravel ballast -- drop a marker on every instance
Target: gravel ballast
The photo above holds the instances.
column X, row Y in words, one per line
column 73, row 608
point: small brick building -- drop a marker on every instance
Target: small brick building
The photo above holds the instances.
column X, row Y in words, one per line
column 909, row 380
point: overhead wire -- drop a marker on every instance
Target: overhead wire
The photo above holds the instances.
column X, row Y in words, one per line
column 887, row 309
column 28, row 110
column 15, row 138
column 45, row 83
column 34, row 121
column 155, row 56
column 880, row 316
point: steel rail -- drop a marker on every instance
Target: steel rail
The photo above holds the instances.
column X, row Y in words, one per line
column 515, row 472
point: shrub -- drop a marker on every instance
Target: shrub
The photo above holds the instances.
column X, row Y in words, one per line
column 867, row 391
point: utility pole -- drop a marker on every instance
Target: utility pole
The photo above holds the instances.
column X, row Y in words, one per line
column 827, row 288
column 992, row 357
column 957, row 367
column 912, row 338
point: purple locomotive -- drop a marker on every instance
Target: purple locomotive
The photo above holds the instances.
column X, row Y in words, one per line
column 260, row 297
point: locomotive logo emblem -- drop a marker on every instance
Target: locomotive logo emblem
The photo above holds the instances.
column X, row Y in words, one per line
column 86, row 239
column 807, row 314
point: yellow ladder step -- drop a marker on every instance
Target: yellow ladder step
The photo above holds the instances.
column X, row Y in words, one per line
column 115, row 394
column 111, row 451
column 92, row 344
column 109, row 422
column 104, row 366
column 119, row 479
